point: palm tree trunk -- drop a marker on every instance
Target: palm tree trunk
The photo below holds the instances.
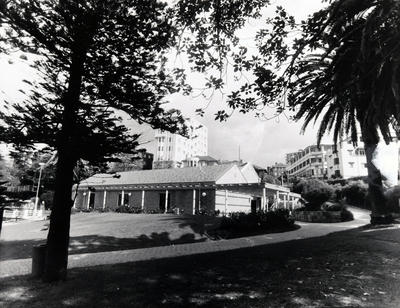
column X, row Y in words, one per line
column 380, row 213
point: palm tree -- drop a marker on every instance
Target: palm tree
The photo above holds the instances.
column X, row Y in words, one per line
column 344, row 71
column 352, row 81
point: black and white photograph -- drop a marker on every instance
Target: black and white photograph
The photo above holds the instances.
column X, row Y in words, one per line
column 199, row 153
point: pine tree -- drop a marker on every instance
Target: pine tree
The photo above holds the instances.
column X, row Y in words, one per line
column 97, row 57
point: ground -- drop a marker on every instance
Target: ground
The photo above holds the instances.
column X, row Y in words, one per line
column 356, row 268
column 92, row 232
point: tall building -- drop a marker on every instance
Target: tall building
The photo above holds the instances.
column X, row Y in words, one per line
column 173, row 149
column 310, row 162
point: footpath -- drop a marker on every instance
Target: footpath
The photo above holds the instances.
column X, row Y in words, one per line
column 307, row 230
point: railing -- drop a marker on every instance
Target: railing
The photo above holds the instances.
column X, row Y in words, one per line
column 21, row 188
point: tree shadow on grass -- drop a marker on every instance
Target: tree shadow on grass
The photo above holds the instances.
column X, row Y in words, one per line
column 95, row 243
column 210, row 226
column 344, row 269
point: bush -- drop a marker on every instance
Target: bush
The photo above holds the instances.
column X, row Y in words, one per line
column 356, row 193
column 259, row 221
column 128, row 209
column 314, row 191
column 392, row 196
column 345, row 214
column 47, row 197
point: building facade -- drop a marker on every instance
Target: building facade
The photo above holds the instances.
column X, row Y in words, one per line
column 173, row 149
column 348, row 161
column 310, row 162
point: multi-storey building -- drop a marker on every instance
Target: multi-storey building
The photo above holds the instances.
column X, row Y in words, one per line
column 350, row 161
column 277, row 170
column 309, row 162
column 173, row 149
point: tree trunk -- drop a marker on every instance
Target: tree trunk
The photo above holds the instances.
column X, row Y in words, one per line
column 380, row 213
column 1, row 218
column 58, row 236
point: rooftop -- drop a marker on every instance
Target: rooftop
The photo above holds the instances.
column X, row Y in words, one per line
column 204, row 174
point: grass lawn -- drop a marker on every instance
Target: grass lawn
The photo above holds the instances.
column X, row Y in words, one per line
column 94, row 232
column 357, row 268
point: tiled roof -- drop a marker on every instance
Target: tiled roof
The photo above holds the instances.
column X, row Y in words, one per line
column 159, row 176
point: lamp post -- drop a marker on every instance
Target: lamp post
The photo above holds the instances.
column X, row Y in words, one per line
column 38, row 188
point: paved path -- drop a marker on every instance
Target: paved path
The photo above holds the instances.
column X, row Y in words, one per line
column 307, row 230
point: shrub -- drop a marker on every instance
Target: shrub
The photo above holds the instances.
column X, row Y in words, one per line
column 258, row 221
column 346, row 215
column 47, row 197
column 314, row 191
column 128, row 209
column 356, row 193
column 392, row 196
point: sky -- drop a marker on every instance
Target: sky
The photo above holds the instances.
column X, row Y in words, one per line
column 260, row 142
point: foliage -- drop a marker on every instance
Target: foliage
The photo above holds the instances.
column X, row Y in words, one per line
column 128, row 209
column 128, row 162
column 27, row 164
column 268, row 178
column 248, row 222
column 341, row 66
column 356, row 193
column 314, row 191
column 47, row 197
column 393, row 196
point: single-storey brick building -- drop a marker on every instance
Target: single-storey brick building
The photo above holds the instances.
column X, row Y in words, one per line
column 223, row 188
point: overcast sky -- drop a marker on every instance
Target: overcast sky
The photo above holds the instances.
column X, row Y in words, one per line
column 261, row 142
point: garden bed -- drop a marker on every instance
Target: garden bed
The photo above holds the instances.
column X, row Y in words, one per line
column 318, row 216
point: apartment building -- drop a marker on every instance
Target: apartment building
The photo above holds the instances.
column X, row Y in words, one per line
column 350, row 161
column 172, row 149
column 309, row 162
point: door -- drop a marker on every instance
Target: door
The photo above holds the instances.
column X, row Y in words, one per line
column 91, row 201
column 162, row 202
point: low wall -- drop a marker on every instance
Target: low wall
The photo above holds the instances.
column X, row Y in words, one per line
column 318, row 216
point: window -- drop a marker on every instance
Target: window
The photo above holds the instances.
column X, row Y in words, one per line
column 336, row 160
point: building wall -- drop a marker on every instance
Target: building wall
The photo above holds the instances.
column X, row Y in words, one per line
column 348, row 161
column 235, row 202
